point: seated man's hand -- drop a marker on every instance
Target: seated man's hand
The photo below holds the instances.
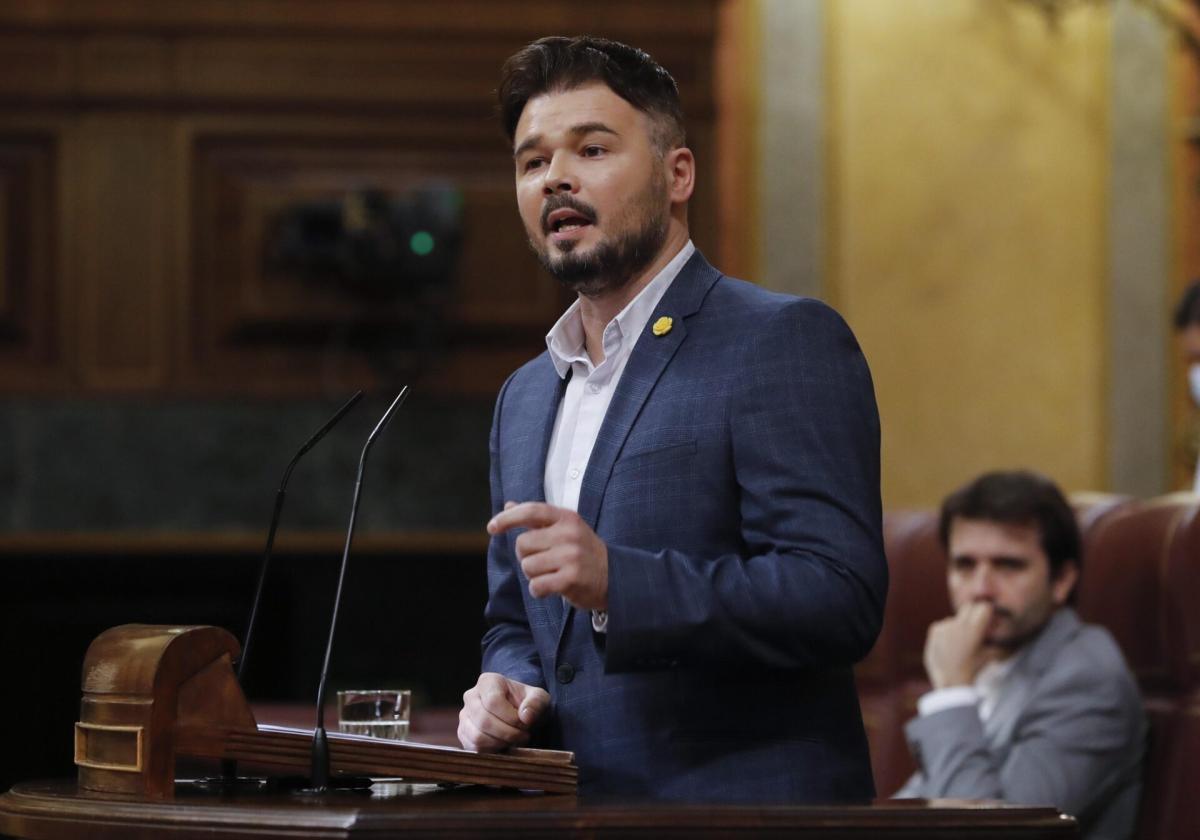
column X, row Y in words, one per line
column 954, row 647
column 498, row 713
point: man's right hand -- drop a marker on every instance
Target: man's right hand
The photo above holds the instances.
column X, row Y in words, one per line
column 498, row 713
column 954, row 649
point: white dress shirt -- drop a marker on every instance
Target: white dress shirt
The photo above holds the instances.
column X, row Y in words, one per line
column 591, row 388
column 984, row 692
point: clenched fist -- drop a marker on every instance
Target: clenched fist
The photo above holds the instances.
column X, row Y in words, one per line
column 498, row 713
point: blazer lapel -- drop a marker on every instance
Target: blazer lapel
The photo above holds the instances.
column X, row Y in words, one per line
column 542, row 401
column 646, row 364
column 529, row 484
column 1033, row 661
column 1013, row 699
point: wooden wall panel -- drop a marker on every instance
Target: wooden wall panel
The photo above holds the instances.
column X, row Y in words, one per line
column 189, row 127
column 244, row 173
column 35, row 65
column 125, row 65
column 122, row 245
column 32, row 354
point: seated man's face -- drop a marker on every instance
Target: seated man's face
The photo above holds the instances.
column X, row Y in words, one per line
column 1189, row 343
column 1004, row 565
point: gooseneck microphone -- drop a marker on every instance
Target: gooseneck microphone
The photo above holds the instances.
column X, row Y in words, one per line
column 279, row 497
column 229, row 777
column 319, row 775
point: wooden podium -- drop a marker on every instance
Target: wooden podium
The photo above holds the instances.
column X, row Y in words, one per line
column 59, row 811
column 152, row 694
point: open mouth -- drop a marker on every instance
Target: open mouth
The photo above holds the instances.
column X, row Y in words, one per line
column 566, row 220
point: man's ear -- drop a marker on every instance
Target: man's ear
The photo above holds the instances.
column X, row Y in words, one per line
column 680, row 167
column 1062, row 585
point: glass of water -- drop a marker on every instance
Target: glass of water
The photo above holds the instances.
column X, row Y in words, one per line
column 379, row 713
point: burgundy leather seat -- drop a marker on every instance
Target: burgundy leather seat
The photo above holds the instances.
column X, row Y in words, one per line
column 892, row 676
column 1145, row 587
column 1172, row 803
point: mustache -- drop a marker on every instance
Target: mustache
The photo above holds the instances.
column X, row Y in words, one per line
column 559, row 201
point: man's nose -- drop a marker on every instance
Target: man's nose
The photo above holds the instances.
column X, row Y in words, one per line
column 560, row 177
column 983, row 585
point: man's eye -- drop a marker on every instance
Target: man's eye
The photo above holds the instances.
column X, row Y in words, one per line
column 533, row 163
column 593, row 151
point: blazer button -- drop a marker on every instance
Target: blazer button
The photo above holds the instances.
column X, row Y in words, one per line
column 565, row 673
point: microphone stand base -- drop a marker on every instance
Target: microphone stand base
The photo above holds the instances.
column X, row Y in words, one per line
column 360, row 785
column 295, row 785
column 225, row 784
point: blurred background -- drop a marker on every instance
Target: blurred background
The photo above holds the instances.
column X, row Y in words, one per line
column 219, row 219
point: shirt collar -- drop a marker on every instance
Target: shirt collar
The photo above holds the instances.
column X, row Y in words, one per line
column 992, row 674
column 565, row 340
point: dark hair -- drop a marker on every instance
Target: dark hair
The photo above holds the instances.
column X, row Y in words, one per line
column 1188, row 311
column 1019, row 497
column 558, row 63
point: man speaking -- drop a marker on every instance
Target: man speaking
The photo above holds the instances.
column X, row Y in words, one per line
column 686, row 554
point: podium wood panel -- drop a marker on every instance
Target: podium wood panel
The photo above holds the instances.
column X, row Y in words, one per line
column 154, row 693
column 57, row 811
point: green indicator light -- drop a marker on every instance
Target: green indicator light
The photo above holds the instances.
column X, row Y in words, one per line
column 421, row 243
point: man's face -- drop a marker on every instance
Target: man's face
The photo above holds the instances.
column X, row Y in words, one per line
column 1004, row 565
column 591, row 188
column 1189, row 342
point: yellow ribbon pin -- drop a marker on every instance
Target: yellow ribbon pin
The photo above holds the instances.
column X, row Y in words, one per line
column 663, row 325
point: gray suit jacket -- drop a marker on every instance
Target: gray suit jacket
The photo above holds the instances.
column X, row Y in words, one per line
column 1068, row 731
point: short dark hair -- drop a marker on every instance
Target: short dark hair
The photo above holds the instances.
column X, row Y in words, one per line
column 558, row 63
column 1019, row 497
column 1187, row 312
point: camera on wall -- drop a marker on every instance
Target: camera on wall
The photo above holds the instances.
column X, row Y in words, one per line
column 378, row 245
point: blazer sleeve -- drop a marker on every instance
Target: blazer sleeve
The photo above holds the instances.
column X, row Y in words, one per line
column 508, row 645
column 808, row 589
column 1076, row 742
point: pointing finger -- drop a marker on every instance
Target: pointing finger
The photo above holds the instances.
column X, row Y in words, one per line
column 524, row 515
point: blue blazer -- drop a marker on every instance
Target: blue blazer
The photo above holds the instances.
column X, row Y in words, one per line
column 735, row 481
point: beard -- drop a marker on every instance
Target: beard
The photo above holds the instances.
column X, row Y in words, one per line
column 614, row 261
column 1018, row 630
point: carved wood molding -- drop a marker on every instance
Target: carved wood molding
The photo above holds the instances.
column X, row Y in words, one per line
column 436, row 56
column 672, row 18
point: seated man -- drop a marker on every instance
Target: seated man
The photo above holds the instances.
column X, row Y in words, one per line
column 1029, row 705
